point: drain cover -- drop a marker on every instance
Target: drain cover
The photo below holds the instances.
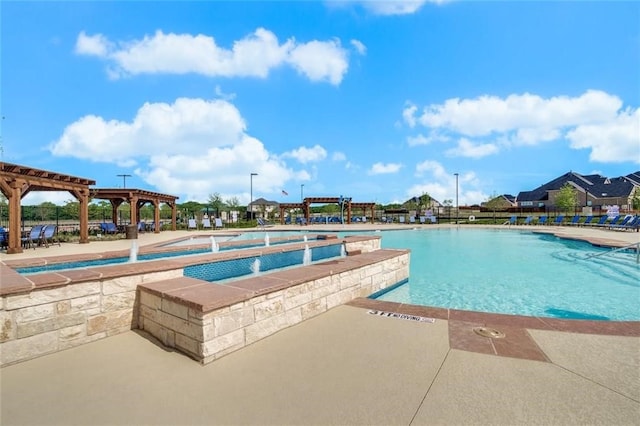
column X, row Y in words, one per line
column 492, row 333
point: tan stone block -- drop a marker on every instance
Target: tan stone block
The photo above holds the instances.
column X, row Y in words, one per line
column 63, row 307
column 150, row 313
column 28, row 348
column 72, row 333
column 339, row 298
column 314, row 308
column 175, row 309
column 297, row 290
column 162, row 275
column 119, row 330
column 297, row 300
column 88, row 304
column 268, row 308
column 34, row 313
column 294, row 316
column 121, row 284
column 150, row 300
column 154, row 329
column 180, row 325
column 234, row 340
column 330, row 288
column 7, row 326
column 264, row 328
column 110, row 320
column 42, row 297
column 118, row 301
column 229, row 322
column 187, row 344
column 45, row 325
column 96, row 324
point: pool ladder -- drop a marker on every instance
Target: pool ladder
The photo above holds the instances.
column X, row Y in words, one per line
column 634, row 245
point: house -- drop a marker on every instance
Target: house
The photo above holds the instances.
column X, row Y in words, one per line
column 592, row 190
column 503, row 201
column 263, row 208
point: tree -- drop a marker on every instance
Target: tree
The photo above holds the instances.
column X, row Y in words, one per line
column 567, row 198
column 635, row 200
column 215, row 201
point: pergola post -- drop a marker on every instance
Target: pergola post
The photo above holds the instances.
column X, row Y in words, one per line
column 15, row 217
column 83, row 198
column 156, row 216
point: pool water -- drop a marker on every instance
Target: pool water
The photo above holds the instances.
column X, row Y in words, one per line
column 513, row 272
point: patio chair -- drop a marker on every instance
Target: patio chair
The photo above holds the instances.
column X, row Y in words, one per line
column 601, row 222
column 33, row 238
column 574, row 220
column 401, row 219
column 558, row 220
column 4, row 239
column 621, row 224
column 218, row 223
column 49, row 235
column 513, row 220
column 586, row 222
column 206, row 223
column 542, row 220
column 108, row 228
column 191, row 224
column 528, row 220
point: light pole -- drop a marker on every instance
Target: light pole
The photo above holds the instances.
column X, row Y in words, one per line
column 124, row 180
column 457, row 210
column 251, row 193
column 301, row 192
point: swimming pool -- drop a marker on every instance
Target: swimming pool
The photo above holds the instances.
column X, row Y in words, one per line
column 512, row 272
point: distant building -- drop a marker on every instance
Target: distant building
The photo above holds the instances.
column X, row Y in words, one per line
column 593, row 190
column 503, row 201
column 263, row 208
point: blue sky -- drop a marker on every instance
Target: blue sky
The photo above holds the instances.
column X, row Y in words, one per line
column 378, row 101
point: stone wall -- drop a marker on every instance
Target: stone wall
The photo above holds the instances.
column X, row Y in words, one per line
column 181, row 322
column 44, row 321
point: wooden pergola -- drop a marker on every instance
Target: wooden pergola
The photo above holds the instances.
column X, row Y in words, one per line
column 136, row 198
column 306, row 206
column 16, row 181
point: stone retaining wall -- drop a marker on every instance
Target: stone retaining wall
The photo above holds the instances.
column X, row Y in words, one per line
column 50, row 312
column 207, row 321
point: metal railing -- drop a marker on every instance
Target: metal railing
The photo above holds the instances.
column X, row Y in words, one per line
column 627, row 247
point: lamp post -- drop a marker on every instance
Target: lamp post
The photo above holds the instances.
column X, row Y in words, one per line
column 301, row 192
column 457, row 210
column 124, row 180
column 251, row 193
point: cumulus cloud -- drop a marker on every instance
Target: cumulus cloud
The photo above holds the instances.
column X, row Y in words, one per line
column 191, row 146
column 528, row 119
column 381, row 168
column 395, row 7
column 252, row 56
column 440, row 184
column 306, row 155
column 359, row 46
column 420, row 139
column 339, row 156
column 466, row 148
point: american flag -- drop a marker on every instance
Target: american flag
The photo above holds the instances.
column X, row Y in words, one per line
column 284, row 192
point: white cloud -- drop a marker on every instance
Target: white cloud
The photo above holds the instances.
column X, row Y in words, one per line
column 381, row 168
column 466, row 148
column 612, row 142
column 192, row 146
column 420, row 139
column 396, row 7
column 359, row 46
column 253, row 56
column 320, row 60
column 593, row 120
column 440, row 184
column 96, row 45
column 339, row 156
column 307, row 155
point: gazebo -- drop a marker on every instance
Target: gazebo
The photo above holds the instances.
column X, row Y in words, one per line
column 136, row 199
column 306, row 206
column 16, row 181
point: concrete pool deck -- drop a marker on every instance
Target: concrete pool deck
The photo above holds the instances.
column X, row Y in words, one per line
column 343, row 367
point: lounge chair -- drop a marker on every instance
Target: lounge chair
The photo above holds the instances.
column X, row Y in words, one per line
column 528, row 220
column 542, row 220
column 108, row 228
column 206, row 223
column 33, row 239
column 412, row 219
column 558, row 220
column 621, row 224
column 423, row 219
column 612, row 222
column 586, row 222
column 513, row 220
column 4, row 239
column 191, row 224
column 574, row 220
column 49, row 235
column 401, row 219
column 633, row 225
column 600, row 222
column 218, row 223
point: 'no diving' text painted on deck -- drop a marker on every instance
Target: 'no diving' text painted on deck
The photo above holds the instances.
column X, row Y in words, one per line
column 402, row 316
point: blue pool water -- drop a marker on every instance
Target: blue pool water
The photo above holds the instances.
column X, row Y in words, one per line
column 513, row 272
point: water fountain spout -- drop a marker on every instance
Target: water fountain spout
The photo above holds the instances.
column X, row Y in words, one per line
column 343, row 250
column 266, row 240
column 214, row 245
column 306, row 257
column 255, row 266
column 133, row 252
